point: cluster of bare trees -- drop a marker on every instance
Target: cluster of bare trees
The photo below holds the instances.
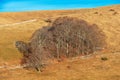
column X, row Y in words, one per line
column 66, row 37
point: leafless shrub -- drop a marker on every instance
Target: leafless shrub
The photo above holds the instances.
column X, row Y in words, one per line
column 111, row 10
column 115, row 13
column 23, row 47
column 95, row 12
column 66, row 37
column 48, row 20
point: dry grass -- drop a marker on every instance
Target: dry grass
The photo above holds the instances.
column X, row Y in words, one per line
column 86, row 69
column 92, row 68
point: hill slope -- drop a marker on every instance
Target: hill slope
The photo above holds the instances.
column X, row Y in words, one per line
column 20, row 26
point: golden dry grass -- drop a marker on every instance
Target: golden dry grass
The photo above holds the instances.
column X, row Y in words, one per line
column 91, row 68
column 84, row 69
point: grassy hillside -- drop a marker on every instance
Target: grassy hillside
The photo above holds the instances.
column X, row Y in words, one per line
column 13, row 27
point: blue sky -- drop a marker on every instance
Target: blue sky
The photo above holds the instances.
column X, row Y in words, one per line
column 31, row 5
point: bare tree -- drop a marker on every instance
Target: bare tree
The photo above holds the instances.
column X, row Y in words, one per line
column 65, row 37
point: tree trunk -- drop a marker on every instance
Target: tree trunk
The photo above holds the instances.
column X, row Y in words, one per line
column 67, row 50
